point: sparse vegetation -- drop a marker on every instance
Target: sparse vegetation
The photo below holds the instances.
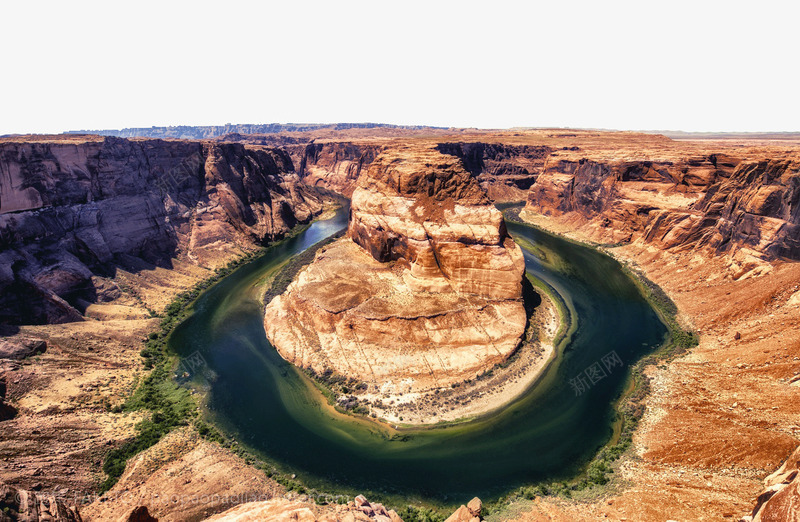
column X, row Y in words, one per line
column 170, row 405
column 631, row 405
column 339, row 390
column 681, row 340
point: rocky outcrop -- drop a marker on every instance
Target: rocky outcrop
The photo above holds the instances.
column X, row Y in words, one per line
column 335, row 166
column 505, row 171
column 281, row 509
column 469, row 513
column 428, row 213
column 359, row 509
column 139, row 514
column 715, row 202
column 424, row 291
column 21, row 348
column 374, row 510
column 72, row 210
column 780, row 501
column 22, row 505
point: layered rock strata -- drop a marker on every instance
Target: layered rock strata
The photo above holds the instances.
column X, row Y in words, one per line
column 505, row 171
column 716, row 196
column 335, row 166
column 74, row 209
column 19, row 504
column 424, row 291
column 716, row 202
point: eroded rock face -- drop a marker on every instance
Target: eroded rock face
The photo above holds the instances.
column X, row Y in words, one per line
column 72, row 209
column 758, row 208
column 424, row 291
column 19, row 504
column 335, row 166
column 714, row 202
column 431, row 215
column 780, row 501
column 505, row 171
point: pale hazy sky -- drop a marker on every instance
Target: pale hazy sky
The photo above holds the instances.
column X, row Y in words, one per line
column 715, row 65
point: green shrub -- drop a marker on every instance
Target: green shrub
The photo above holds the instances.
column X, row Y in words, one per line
column 170, row 404
column 596, row 474
column 415, row 514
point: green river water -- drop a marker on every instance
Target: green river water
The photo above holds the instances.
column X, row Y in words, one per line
column 551, row 432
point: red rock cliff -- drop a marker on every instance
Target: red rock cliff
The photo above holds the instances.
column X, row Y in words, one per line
column 715, row 202
column 75, row 208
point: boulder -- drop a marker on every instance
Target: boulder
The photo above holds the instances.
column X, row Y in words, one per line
column 462, row 514
column 475, row 507
column 469, row 513
column 19, row 349
column 780, row 500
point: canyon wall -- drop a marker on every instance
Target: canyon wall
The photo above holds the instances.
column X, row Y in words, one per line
column 334, row 166
column 715, row 203
column 424, row 291
column 625, row 187
column 74, row 210
column 505, row 171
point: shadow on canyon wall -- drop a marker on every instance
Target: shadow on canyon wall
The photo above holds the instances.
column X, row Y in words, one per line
column 73, row 213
